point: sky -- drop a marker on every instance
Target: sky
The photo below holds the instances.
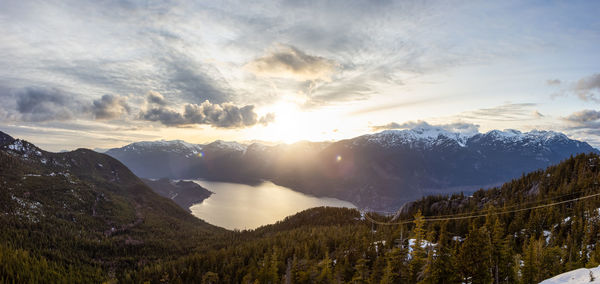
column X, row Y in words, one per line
column 102, row 74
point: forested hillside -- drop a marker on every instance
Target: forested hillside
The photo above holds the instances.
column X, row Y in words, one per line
column 338, row 246
column 84, row 217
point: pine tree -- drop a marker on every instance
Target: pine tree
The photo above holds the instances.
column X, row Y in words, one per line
column 326, row 275
column 390, row 275
column 474, row 257
column 418, row 256
column 500, row 254
column 443, row 269
column 361, row 274
column 532, row 261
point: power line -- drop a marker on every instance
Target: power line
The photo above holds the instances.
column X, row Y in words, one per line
column 506, row 207
column 441, row 218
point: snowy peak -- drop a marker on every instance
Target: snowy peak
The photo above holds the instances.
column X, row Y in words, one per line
column 180, row 146
column 430, row 135
column 225, row 145
column 172, row 146
column 512, row 135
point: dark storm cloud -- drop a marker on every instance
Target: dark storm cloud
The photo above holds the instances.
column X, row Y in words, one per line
column 110, row 107
column 461, row 127
column 43, row 104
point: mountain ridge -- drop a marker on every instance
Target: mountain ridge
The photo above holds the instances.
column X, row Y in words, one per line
column 378, row 171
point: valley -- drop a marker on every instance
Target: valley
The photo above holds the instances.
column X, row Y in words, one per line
column 82, row 216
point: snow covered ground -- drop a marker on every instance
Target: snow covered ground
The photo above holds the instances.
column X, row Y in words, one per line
column 581, row 275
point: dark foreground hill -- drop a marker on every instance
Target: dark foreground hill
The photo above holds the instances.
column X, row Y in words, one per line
column 82, row 216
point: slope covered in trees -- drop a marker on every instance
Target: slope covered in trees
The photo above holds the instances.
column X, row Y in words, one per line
column 84, row 217
column 526, row 246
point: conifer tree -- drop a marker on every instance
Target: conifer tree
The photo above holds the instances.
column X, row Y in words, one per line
column 361, row 274
column 474, row 257
column 326, row 275
column 418, row 256
column 443, row 268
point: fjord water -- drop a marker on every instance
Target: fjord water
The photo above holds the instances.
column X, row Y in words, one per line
column 241, row 206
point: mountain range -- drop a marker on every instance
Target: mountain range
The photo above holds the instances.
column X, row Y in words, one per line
column 380, row 171
column 84, row 217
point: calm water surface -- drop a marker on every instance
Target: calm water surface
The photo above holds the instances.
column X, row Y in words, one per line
column 241, row 206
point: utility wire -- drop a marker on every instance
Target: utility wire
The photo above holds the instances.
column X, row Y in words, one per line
column 507, row 207
column 439, row 218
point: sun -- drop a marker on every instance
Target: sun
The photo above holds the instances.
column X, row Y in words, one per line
column 295, row 123
column 291, row 124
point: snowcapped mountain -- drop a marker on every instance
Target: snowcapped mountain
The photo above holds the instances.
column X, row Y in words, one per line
column 174, row 146
column 431, row 136
column 421, row 135
column 379, row 171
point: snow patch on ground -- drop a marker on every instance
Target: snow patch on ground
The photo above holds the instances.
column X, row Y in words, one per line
column 547, row 235
column 581, row 275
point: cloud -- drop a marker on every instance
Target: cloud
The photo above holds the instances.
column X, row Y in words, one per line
column 506, row 112
column 268, row 118
column 459, row 127
column 389, row 106
column 194, row 82
column 553, row 82
column 43, row 104
column 109, row 107
column 156, row 98
column 391, row 125
column 583, row 119
column 164, row 115
column 226, row 115
column 290, row 62
column 588, row 88
column 585, row 125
